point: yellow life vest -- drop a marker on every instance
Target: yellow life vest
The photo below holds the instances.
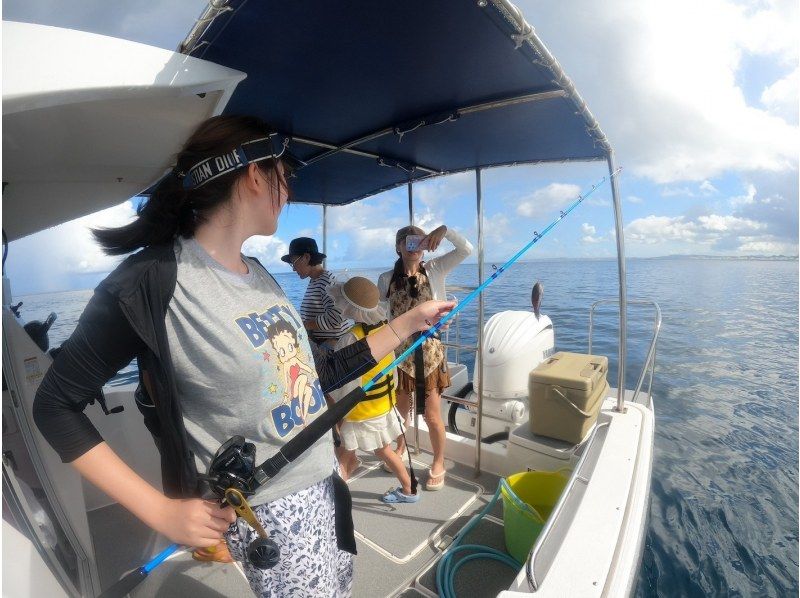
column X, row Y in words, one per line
column 381, row 396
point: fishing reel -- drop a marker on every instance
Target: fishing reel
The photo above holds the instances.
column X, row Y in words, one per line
column 231, row 477
column 233, row 466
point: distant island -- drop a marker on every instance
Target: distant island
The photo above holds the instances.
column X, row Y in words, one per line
column 745, row 258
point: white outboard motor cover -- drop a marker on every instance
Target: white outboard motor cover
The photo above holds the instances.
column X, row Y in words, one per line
column 514, row 342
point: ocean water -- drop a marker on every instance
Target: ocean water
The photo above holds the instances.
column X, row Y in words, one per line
column 724, row 511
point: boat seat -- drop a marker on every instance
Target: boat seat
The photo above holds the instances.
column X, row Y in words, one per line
column 527, row 448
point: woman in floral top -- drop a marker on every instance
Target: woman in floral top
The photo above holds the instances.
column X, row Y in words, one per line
column 408, row 284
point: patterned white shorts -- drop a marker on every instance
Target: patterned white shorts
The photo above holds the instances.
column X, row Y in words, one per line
column 302, row 525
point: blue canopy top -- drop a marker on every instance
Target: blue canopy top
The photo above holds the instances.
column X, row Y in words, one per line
column 379, row 92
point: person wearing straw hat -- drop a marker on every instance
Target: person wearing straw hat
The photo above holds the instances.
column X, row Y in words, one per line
column 374, row 423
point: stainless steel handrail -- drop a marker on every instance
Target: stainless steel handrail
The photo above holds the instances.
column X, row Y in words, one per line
column 558, row 509
column 650, row 361
column 458, row 346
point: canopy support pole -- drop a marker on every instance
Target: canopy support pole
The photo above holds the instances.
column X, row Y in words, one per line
column 623, row 305
column 478, row 355
column 416, row 398
column 410, row 205
column 325, row 234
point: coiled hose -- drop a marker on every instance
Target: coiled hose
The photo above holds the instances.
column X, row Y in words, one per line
column 446, row 571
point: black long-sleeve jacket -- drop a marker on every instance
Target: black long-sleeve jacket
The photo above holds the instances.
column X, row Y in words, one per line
column 125, row 319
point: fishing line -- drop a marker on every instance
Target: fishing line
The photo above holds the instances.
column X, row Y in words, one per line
column 537, row 236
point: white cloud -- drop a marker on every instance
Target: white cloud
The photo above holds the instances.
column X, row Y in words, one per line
column 768, row 247
column 707, row 188
column 589, row 237
column 545, row 200
column 677, row 192
column 748, row 198
column 673, row 106
column 72, row 247
column 54, row 259
column 634, row 199
column 590, row 240
column 718, row 223
column 434, row 192
column 781, row 98
column 369, row 229
column 707, row 232
column 267, row 249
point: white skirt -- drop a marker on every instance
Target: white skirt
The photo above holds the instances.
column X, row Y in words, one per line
column 371, row 434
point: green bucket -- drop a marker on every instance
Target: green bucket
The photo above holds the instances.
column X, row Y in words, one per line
column 528, row 499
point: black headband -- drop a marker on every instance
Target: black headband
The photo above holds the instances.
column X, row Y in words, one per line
column 265, row 148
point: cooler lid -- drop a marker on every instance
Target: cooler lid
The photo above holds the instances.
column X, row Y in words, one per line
column 577, row 371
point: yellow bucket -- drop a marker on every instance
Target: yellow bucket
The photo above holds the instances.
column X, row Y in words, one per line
column 528, row 499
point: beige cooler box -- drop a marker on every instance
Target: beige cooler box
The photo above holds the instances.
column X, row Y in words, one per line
column 566, row 392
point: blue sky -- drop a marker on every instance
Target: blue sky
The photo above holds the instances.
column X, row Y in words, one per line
column 700, row 101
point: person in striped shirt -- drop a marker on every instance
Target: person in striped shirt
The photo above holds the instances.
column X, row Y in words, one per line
column 323, row 321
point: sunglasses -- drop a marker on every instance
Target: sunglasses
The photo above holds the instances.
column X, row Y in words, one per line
column 294, row 263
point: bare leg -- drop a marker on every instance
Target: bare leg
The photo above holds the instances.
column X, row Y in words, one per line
column 396, row 465
column 403, row 405
column 347, row 461
column 433, row 419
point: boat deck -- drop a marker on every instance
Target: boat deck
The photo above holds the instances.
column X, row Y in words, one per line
column 399, row 546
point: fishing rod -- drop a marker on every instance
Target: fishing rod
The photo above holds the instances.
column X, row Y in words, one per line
column 233, row 475
column 124, row 586
column 537, row 236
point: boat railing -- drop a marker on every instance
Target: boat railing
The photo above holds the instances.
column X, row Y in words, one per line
column 457, row 345
column 649, row 365
column 544, row 550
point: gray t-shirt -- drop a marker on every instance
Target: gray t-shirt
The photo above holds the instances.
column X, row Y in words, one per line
column 243, row 366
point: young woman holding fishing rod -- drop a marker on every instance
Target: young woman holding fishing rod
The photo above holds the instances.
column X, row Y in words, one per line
column 213, row 333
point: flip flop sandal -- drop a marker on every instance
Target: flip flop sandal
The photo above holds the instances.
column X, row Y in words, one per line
column 215, row 554
column 397, row 496
column 433, row 486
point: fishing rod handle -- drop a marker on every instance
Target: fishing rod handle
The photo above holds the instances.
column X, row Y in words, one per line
column 309, row 435
column 124, row 586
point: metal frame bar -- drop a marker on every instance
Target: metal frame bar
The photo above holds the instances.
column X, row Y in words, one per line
column 325, row 235
column 413, row 405
column 544, row 58
column 211, row 12
column 650, row 360
column 457, row 171
column 456, row 112
column 347, row 150
column 555, row 514
column 623, row 306
column 478, row 354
